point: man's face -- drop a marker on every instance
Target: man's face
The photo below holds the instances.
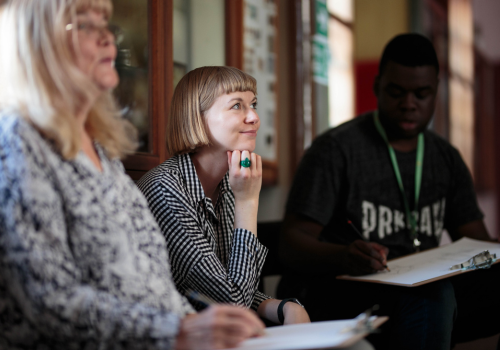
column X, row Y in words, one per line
column 406, row 99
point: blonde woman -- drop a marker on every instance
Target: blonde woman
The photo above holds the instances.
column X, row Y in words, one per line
column 206, row 196
column 83, row 264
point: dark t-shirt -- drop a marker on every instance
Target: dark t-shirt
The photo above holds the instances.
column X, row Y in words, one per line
column 347, row 173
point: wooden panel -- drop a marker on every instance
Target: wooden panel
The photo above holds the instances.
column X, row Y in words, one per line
column 484, row 128
column 496, row 92
column 160, row 18
column 161, row 72
column 269, row 173
column 234, row 33
column 141, row 162
column 296, row 86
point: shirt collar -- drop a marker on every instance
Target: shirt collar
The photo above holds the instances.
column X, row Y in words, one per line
column 225, row 186
column 193, row 183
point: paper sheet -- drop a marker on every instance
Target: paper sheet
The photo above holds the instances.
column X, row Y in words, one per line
column 316, row 335
column 416, row 269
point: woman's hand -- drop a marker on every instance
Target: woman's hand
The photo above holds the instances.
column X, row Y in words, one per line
column 294, row 313
column 218, row 327
column 246, row 184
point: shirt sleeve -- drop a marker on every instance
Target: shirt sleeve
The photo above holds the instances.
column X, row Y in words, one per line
column 258, row 298
column 318, row 181
column 194, row 263
column 40, row 273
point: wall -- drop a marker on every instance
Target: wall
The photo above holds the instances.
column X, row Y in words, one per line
column 487, row 125
column 486, row 20
column 376, row 22
column 199, row 33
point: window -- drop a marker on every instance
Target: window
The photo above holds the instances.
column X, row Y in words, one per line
column 461, row 82
column 340, row 69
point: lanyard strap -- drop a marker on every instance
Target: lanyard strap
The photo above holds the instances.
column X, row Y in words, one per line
column 418, row 177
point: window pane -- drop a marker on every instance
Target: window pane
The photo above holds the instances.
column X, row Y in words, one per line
column 198, row 35
column 132, row 65
column 461, row 53
column 340, row 73
column 341, row 8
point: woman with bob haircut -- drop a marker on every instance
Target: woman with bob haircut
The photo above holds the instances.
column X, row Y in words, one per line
column 206, row 196
column 83, row 264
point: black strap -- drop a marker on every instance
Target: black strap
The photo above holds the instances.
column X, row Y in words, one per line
column 281, row 317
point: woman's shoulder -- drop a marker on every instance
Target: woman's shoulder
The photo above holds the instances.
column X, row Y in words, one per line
column 167, row 175
column 18, row 138
column 13, row 126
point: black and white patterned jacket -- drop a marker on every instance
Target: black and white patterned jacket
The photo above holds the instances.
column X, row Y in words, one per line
column 83, row 264
column 206, row 252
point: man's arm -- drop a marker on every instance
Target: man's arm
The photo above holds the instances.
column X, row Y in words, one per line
column 302, row 250
column 475, row 229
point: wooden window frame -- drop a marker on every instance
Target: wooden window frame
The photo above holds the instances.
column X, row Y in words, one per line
column 160, row 76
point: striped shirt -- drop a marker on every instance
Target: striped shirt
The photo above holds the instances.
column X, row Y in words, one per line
column 206, row 252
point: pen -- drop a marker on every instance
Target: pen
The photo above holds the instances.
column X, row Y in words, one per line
column 207, row 301
column 200, row 298
column 355, row 230
column 361, row 237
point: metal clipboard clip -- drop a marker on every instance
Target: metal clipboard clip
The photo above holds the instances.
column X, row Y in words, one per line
column 483, row 260
column 364, row 322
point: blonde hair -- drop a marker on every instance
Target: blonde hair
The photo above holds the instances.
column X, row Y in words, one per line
column 195, row 93
column 42, row 82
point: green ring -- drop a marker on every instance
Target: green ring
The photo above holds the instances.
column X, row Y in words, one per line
column 245, row 163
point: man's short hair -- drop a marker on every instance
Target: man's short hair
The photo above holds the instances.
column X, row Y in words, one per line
column 409, row 50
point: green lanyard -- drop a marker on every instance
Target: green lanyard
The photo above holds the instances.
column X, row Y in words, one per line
column 418, row 177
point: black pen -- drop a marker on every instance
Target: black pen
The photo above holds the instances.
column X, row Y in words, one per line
column 361, row 236
column 203, row 300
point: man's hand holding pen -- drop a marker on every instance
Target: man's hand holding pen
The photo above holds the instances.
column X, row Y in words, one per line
column 362, row 258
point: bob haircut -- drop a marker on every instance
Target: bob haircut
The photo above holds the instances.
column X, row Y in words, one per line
column 195, row 93
column 42, row 83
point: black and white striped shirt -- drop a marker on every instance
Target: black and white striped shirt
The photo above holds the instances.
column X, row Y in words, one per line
column 206, row 252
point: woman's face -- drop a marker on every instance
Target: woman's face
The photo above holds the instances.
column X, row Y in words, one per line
column 233, row 121
column 95, row 52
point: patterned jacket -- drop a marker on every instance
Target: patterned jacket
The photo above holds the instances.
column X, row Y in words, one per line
column 83, row 264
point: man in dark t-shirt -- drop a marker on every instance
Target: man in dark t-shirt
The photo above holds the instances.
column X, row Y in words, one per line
column 349, row 174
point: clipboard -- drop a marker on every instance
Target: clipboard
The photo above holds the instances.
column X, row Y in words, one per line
column 316, row 335
column 431, row 265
